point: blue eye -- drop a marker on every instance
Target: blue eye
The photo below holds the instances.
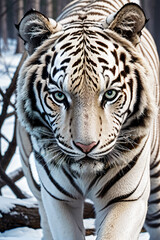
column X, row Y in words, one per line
column 110, row 95
column 59, row 97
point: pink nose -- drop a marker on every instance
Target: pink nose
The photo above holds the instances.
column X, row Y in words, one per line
column 85, row 148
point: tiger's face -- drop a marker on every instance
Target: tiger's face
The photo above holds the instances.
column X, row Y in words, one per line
column 85, row 95
column 88, row 102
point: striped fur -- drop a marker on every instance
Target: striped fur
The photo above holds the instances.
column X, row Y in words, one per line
column 88, row 95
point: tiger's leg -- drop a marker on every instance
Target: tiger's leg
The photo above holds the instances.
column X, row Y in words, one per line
column 65, row 219
column 152, row 223
column 122, row 220
column 44, row 222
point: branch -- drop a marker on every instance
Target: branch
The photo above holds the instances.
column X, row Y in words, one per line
column 14, row 176
column 2, row 93
column 10, row 184
column 11, row 114
column 10, row 150
column 10, row 91
column 2, row 136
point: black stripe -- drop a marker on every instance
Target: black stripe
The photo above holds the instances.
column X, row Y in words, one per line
column 33, row 119
column 155, row 190
column 115, row 56
column 91, row 80
column 129, row 144
column 39, row 88
column 120, row 199
column 139, row 93
column 45, row 73
column 76, row 52
column 153, row 225
column 154, row 164
column 77, row 85
column 130, row 84
column 92, row 50
column 67, row 60
column 156, row 175
column 156, row 201
column 90, row 61
column 54, row 182
column 54, row 72
column 66, row 50
column 65, row 45
column 71, row 180
column 141, row 120
column 98, row 178
column 77, row 62
column 101, row 193
column 153, row 217
column 31, row 94
column 123, row 198
column 102, row 60
column 123, row 58
column 47, row 59
column 62, row 38
column 102, row 44
column 63, row 68
column 56, row 198
column 104, row 36
column 54, row 57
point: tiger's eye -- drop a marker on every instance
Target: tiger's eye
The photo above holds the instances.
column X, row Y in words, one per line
column 110, row 94
column 59, row 96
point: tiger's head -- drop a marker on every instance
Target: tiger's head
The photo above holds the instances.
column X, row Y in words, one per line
column 84, row 92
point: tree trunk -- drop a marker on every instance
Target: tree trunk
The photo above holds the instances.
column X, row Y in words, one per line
column 4, row 24
column 151, row 9
column 61, row 5
column 49, row 8
column 20, row 46
column 35, row 4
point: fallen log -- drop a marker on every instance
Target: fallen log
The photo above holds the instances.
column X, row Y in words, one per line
column 24, row 213
column 17, row 213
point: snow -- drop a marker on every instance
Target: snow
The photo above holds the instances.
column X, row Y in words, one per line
column 8, row 63
column 24, row 233
column 6, row 204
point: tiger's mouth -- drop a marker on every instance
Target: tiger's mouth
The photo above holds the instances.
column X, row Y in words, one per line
column 88, row 161
column 88, row 165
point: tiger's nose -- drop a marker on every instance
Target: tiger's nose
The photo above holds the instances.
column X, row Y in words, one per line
column 85, row 148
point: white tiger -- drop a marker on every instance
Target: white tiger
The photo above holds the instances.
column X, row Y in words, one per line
column 88, row 96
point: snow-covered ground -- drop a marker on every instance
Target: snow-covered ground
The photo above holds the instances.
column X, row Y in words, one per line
column 8, row 63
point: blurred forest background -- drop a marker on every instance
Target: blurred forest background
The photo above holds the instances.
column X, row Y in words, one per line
column 11, row 12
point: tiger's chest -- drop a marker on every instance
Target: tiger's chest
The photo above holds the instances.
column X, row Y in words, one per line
column 65, row 184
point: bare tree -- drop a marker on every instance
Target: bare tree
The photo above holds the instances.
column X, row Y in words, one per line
column 49, row 8
column 152, row 10
column 61, row 5
column 6, row 157
column 35, row 4
column 20, row 46
column 4, row 23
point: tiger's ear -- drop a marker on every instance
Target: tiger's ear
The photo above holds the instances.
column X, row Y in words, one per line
column 128, row 22
column 34, row 28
